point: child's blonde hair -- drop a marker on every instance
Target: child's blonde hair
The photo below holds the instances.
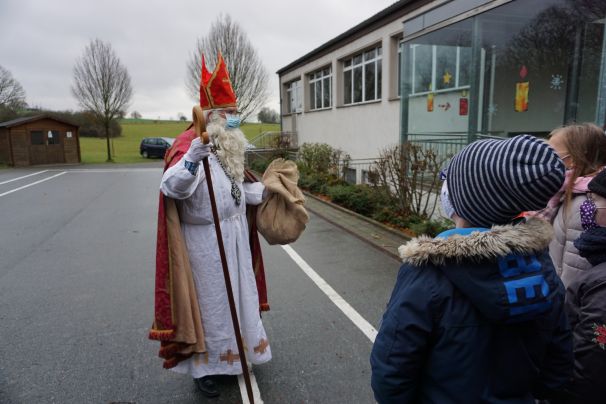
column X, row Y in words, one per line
column 586, row 145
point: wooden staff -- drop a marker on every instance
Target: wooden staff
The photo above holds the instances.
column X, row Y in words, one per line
column 200, row 128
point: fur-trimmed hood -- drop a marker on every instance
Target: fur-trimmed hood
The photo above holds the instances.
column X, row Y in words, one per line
column 505, row 271
column 530, row 237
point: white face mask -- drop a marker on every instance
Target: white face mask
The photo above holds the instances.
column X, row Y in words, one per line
column 447, row 208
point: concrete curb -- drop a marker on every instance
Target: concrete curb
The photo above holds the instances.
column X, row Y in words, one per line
column 359, row 216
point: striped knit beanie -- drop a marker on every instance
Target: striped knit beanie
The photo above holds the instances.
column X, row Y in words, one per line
column 492, row 181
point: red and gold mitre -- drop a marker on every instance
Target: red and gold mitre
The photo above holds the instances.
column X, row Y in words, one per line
column 215, row 89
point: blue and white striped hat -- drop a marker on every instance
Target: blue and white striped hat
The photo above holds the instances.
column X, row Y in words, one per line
column 492, row 181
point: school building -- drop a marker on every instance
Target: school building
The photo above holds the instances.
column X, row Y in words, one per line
column 444, row 73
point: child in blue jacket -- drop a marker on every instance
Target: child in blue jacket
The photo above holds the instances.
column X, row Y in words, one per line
column 476, row 315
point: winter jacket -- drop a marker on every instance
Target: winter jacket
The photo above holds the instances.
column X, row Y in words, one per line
column 567, row 227
column 476, row 316
column 586, row 309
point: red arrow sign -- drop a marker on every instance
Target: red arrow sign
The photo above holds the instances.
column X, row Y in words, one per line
column 445, row 106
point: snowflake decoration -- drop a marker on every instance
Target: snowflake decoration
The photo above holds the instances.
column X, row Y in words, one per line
column 493, row 109
column 556, row 82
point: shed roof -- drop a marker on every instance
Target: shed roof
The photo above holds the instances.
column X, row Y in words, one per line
column 20, row 121
column 396, row 10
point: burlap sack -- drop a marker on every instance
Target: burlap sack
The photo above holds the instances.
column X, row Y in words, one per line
column 281, row 218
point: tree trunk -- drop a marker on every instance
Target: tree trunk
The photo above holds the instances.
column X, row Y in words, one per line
column 109, row 154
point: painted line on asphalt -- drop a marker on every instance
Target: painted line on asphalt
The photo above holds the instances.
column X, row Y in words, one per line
column 255, row 388
column 25, row 176
column 332, row 294
column 111, row 170
column 32, row 184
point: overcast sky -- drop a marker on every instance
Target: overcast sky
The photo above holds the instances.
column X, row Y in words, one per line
column 41, row 40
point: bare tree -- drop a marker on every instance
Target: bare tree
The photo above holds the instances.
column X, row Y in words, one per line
column 12, row 95
column 411, row 174
column 247, row 73
column 135, row 115
column 102, row 84
column 268, row 115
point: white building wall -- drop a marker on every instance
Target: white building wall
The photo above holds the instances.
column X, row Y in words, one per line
column 362, row 130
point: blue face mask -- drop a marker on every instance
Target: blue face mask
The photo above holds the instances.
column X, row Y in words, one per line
column 232, row 121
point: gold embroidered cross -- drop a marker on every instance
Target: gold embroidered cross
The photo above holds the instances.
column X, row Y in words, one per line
column 262, row 347
column 229, row 357
column 201, row 358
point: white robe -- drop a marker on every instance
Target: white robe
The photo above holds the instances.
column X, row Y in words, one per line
column 199, row 232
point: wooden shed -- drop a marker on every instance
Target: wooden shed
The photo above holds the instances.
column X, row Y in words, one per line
column 38, row 140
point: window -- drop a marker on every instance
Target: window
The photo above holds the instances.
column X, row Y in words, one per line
column 399, row 82
column 54, row 137
column 350, row 175
column 362, row 77
column 37, row 137
column 320, row 84
column 294, row 99
column 525, row 79
column 439, row 67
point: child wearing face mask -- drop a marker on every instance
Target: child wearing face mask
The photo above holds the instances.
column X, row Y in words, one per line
column 582, row 148
column 586, row 301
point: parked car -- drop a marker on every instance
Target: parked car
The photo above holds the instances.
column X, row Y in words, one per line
column 155, row 146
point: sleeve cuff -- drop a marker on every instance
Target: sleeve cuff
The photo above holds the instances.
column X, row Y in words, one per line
column 191, row 167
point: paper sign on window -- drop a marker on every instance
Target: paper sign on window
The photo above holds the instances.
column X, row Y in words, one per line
column 521, row 100
column 463, row 106
column 68, row 134
column 50, row 134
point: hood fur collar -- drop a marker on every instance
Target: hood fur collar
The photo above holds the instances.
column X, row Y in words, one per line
column 525, row 238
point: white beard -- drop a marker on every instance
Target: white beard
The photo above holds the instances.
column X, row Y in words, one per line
column 230, row 147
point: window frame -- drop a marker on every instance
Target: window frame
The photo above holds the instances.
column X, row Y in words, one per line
column 321, row 77
column 55, row 139
column 434, row 76
column 39, row 135
column 350, row 65
column 297, row 87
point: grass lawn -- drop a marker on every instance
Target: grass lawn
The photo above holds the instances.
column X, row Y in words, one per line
column 125, row 149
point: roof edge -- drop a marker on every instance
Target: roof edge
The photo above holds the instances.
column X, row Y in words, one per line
column 27, row 119
column 381, row 15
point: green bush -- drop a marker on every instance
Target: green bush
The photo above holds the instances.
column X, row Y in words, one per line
column 320, row 165
column 259, row 165
column 316, row 157
column 430, row 227
column 313, row 183
column 361, row 199
column 389, row 214
column 416, row 224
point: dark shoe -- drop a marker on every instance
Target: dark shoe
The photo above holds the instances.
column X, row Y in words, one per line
column 207, row 386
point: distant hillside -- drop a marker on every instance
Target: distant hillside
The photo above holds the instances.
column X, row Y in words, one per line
column 126, row 147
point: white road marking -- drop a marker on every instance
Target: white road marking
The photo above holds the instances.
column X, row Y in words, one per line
column 255, row 388
column 110, row 170
column 345, row 307
column 32, row 184
column 25, row 176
